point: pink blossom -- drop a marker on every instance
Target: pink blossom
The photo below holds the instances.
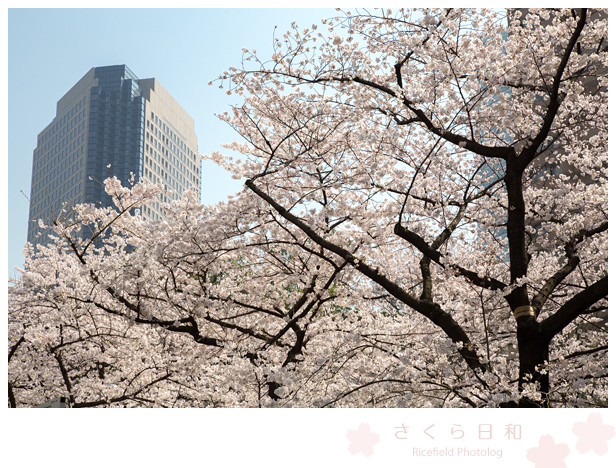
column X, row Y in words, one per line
column 593, row 434
column 548, row 454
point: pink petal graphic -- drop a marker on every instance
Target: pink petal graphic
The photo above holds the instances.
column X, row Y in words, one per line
column 362, row 440
column 548, row 454
column 593, row 434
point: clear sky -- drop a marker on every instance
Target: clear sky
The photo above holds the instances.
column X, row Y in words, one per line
column 49, row 50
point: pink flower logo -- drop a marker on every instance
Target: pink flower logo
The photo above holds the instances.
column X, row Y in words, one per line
column 362, row 440
column 548, row 454
column 593, row 434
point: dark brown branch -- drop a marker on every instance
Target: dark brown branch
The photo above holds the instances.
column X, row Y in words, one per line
column 436, row 256
column 585, row 352
column 65, row 377
column 572, row 262
column 12, row 400
column 132, row 396
column 398, row 67
column 505, row 152
column 529, row 153
column 183, row 325
column 429, row 310
column 293, row 323
column 574, row 307
column 15, row 346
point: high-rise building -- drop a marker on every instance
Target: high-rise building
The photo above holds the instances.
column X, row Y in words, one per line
column 111, row 123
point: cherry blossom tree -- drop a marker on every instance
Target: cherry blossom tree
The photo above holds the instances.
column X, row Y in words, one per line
column 216, row 306
column 424, row 223
column 477, row 142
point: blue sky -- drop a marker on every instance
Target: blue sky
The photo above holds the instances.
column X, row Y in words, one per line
column 49, row 50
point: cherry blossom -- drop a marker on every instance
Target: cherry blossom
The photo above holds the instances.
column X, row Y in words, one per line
column 548, row 454
column 593, row 434
column 362, row 440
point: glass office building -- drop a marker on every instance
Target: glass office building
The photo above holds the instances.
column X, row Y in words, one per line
column 111, row 123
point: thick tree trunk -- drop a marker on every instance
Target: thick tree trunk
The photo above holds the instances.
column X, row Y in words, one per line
column 533, row 351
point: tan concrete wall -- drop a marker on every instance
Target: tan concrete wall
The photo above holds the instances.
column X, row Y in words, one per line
column 168, row 107
column 76, row 92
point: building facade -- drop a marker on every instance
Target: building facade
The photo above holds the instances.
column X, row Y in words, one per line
column 111, row 123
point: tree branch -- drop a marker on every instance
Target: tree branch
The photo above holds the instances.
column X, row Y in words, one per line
column 15, row 346
column 529, row 153
column 428, row 309
column 574, row 307
column 432, row 254
column 572, row 261
column 65, row 376
column 504, row 152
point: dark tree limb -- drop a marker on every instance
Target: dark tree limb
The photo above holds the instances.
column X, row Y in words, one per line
column 12, row 400
column 574, row 307
column 434, row 255
column 572, row 261
column 66, row 378
column 15, row 346
column 530, row 152
column 428, row 309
